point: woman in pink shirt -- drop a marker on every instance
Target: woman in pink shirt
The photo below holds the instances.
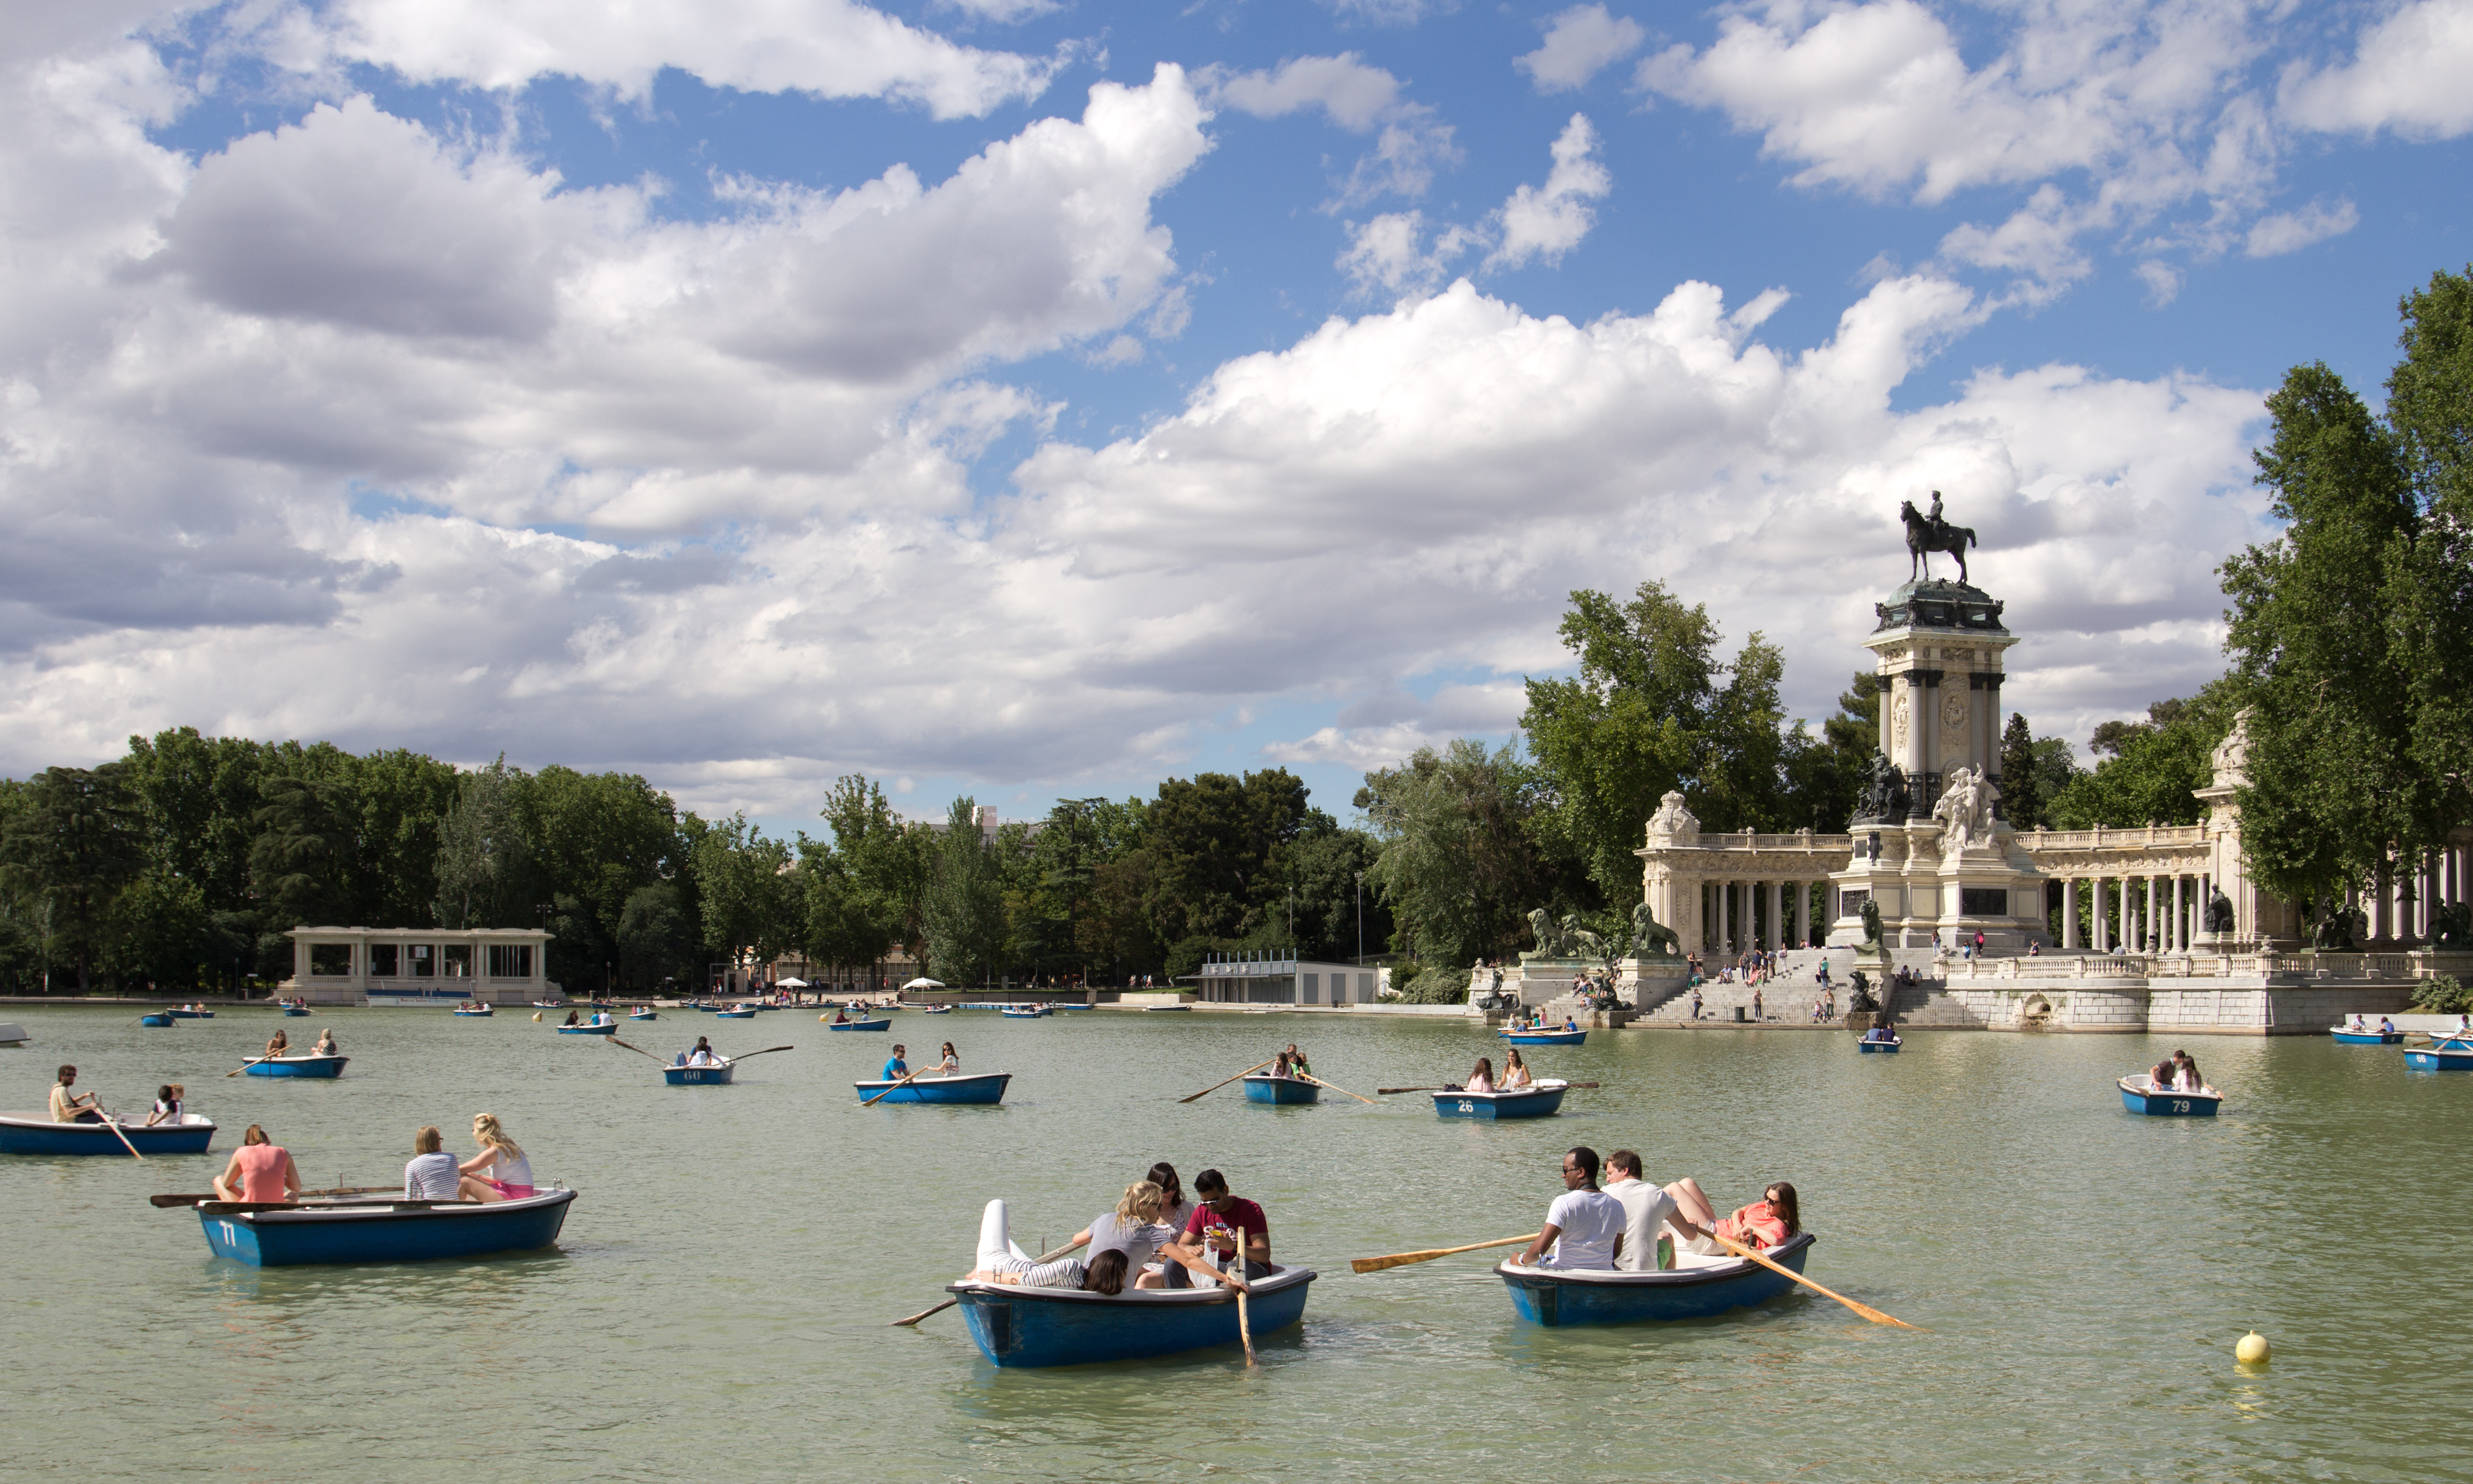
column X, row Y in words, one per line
column 260, row 1170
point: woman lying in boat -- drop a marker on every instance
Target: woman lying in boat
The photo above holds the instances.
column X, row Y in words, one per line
column 509, row 1175
column 996, row 1263
column 1515, row 1073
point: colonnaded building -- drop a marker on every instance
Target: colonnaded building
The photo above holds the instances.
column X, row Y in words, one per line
column 2181, row 938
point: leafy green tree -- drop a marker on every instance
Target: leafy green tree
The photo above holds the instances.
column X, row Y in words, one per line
column 1460, row 865
column 484, row 863
column 964, row 914
column 76, row 842
column 2334, row 780
column 2156, row 766
column 1653, row 710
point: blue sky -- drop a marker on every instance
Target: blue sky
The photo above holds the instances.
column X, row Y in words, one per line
column 1034, row 400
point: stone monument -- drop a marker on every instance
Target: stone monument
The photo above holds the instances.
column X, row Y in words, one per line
column 1933, row 855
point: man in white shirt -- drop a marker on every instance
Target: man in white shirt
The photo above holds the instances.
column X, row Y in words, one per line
column 1646, row 1209
column 1584, row 1227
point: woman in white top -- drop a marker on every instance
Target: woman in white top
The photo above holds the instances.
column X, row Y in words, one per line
column 510, row 1173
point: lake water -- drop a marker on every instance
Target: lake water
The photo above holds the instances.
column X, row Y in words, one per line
column 717, row 1306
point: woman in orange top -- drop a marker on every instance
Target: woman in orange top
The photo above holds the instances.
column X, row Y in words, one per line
column 260, row 1170
column 1768, row 1221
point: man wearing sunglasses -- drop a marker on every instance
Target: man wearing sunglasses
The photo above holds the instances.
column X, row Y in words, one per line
column 1221, row 1226
column 1584, row 1227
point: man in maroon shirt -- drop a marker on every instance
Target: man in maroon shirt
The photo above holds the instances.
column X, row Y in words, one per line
column 1221, row 1224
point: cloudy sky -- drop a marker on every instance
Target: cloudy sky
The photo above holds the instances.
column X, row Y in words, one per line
column 1038, row 398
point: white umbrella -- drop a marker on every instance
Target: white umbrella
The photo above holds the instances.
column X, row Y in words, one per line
column 791, row 984
column 923, row 984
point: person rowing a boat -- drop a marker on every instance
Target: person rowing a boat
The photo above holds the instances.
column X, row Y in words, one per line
column 1584, row 1227
column 1225, row 1225
column 895, row 1068
column 260, row 1170
column 69, row 1106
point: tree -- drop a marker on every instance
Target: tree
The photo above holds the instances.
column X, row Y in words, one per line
column 2335, row 785
column 1646, row 714
column 75, row 843
column 963, row 912
column 1460, row 866
column 484, row 864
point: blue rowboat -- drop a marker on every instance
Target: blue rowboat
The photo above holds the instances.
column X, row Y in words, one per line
column 484, row 1013
column 612, row 1029
column 1542, row 1101
column 267, row 1236
column 1889, row 1047
column 982, row 1087
column 2139, row 1095
column 34, row 1132
column 643, row 1014
column 2445, row 1056
column 884, row 1024
column 158, row 1018
column 2345, row 1038
column 1015, row 1324
column 1696, row 1288
column 718, row 1075
column 1281, row 1090
column 1545, row 1038
column 303, row 1064
column 190, row 1014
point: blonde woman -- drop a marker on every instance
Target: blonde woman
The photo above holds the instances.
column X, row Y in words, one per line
column 510, row 1173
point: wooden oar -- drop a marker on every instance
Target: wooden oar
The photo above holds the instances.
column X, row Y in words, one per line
column 113, row 1124
column 1217, row 1086
column 1401, row 1259
column 901, row 1323
column 1319, row 1083
column 171, row 1202
column 1753, row 1253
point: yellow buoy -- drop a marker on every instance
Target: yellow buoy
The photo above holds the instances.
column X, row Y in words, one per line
column 2252, row 1350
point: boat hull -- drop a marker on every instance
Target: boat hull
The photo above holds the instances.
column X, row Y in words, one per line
column 699, row 1076
column 1546, row 1297
column 37, row 1134
column 2139, row 1096
column 300, row 1066
column 1283, row 1091
column 1879, row 1047
column 408, row 1231
column 2435, row 1059
column 587, row 1030
column 2344, row 1037
column 884, row 1024
column 1023, row 1327
column 1543, row 1101
column 984, row 1087
column 1545, row 1038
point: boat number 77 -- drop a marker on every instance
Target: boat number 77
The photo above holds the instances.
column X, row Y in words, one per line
column 2180, row 1106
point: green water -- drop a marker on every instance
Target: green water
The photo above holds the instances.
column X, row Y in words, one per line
column 717, row 1305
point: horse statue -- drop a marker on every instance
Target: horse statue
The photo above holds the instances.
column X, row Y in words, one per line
column 1648, row 932
column 1928, row 534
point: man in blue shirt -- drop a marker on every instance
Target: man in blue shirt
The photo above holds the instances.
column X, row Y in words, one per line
column 896, row 1069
